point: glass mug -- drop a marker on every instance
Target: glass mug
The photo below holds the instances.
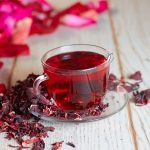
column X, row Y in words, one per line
column 80, row 86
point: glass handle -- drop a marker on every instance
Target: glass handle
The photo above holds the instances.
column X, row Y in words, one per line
column 38, row 81
column 111, row 57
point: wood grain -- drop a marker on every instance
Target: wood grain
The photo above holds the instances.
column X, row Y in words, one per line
column 131, row 25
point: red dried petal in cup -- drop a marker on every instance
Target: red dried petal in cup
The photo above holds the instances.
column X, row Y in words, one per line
column 2, row 88
column 13, row 50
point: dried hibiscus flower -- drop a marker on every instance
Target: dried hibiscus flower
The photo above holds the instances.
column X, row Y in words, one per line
column 57, row 145
column 142, row 98
column 114, row 82
column 40, row 145
column 136, row 76
column 71, row 144
column 15, row 117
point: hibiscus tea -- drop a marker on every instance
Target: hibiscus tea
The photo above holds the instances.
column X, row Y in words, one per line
column 77, row 80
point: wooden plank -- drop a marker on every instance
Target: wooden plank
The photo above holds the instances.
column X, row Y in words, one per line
column 5, row 77
column 7, row 70
column 112, row 133
column 131, row 31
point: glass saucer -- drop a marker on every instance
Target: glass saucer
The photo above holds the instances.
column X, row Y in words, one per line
column 116, row 102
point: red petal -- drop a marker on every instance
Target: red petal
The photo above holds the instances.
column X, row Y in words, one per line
column 44, row 27
column 21, row 32
column 1, row 64
column 136, row 76
column 76, row 21
column 112, row 77
column 49, row 25
column 30, row 141
column 2, row 88
column 13, row 50
column 101, row 6
column 38, row 5
column 77, row 9
column 91, row 14
column 1, row 123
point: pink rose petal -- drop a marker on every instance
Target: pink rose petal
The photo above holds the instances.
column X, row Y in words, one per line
column 76, row 21
column 91, row 14
column 100, row 6
column 11, row 12
column 22, row 30
column 40, row 5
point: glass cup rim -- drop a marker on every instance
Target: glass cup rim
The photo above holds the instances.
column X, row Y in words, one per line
column 109, row 59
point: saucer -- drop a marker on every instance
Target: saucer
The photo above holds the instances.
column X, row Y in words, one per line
column 115, row 101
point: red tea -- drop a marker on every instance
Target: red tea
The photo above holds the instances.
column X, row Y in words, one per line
column 76, row 81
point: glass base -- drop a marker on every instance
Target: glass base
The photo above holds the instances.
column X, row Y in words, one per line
column 116, row 102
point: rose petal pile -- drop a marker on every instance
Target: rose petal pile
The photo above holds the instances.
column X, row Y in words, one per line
column 20, row 19
column 13, row 16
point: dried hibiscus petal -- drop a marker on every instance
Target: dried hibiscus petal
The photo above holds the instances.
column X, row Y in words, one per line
column 57, row 145
column 113, row 83
column 40, row 145
column 49, row 129
column 112, row 77
column 31, row 141
column 136, row 76
column 130, row 87
column 71, row 144
column 142, row 98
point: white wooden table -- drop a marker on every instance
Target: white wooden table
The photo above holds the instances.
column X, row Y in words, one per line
column 125, row 30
